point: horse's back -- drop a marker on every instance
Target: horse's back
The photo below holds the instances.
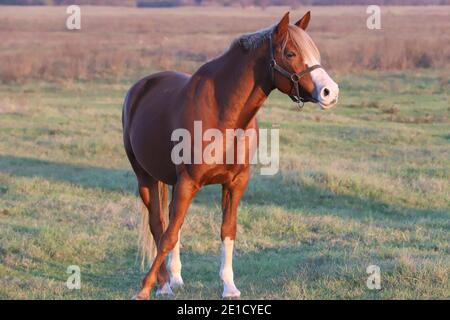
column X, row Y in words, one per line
column 155, row 87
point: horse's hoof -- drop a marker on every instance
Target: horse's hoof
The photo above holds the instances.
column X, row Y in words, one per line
column 165, row 290
column 176, row 281
column 141, row 296
column 230, row 292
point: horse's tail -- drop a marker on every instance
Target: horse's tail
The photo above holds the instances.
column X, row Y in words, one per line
column 147, row 245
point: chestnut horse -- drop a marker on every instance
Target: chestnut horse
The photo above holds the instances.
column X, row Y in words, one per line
column 225, row 93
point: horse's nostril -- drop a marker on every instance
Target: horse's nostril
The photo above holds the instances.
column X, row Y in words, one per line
column 326, row 92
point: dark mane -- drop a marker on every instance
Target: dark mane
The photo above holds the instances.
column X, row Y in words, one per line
column 251, row 41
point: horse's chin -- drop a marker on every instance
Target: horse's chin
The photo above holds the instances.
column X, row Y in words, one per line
column 327, row 106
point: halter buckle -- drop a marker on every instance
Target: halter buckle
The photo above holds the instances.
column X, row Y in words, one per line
column 295, row 77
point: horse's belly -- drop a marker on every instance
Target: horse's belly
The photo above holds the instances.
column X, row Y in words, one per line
column 222, row 174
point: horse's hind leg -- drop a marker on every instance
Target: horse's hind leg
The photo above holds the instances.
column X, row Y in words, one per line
column 151, row 197
column 174, row 263
column 174, row 266
column 185, row 189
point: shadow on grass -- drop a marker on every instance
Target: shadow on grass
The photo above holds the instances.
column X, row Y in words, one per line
column 116, row 276
column 83, row 176
column 272, row 191
column 262, row 191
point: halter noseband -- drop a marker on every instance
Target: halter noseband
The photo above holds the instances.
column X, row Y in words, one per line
column 294, row 77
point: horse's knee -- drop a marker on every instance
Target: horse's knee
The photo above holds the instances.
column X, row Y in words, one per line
column 172, row 241
column 168, row 242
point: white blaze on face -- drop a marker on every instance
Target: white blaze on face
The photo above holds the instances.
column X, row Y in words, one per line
column 226, row 270
column 326, row 91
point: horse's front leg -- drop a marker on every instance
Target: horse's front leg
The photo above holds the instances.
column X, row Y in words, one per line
column 184, row 191
column 231, row 195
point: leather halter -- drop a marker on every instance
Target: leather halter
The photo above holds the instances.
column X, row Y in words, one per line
column 294, row 77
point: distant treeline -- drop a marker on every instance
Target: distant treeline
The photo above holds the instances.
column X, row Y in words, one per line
column 243, row 3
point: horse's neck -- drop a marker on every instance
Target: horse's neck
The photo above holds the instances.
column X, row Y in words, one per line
column 241, row 86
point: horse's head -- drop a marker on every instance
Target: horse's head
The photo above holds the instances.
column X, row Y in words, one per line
column 296, row 64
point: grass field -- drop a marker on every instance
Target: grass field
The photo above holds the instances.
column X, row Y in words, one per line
column 365, row 183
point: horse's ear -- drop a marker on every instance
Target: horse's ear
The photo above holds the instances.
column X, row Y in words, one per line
column 283, row 25
column 304, row 21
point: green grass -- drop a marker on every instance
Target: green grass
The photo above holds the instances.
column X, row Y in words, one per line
column 365, row 183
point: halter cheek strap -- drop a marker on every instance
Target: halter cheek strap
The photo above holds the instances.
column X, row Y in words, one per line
column 294, row 77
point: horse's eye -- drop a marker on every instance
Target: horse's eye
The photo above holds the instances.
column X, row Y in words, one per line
column 290, row 54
